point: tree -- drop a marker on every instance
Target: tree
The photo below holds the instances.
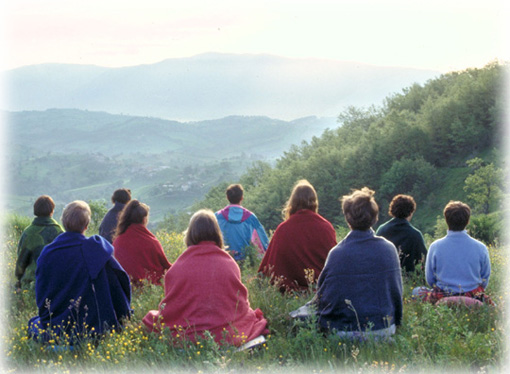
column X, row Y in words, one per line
column 407, row 176
column 98, row 209
column 484, row 185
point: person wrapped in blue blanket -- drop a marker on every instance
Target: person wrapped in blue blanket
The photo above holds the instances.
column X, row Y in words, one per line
column 81, row 290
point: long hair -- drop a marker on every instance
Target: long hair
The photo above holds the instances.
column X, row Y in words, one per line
column 203, row 226
column 133, row 212
column 303, row 196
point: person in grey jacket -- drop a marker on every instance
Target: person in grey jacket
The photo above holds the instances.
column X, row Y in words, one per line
column 109, row 223
column 360, row 288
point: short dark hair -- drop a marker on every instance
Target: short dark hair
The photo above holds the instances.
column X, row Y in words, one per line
column 235, row 193
column 360, row 209
column 456, row 214
column 44, row 206
column 402, row 206
column 122, row 195
column 203, row 226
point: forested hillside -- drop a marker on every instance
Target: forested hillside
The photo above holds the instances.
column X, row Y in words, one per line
column 417, row 142
column 74, row 154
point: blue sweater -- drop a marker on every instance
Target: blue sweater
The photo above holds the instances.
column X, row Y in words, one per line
column 79, row 286
column 362, row 273
column 457, row 263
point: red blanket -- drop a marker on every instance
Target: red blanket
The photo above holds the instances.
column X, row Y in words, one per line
column 299, row 243
column 203, row 291
column 140, row 254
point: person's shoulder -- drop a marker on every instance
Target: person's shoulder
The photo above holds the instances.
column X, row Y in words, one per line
column 384, row 243
column 99, row 243
column 383, row 227
column 414, row 230
column 477, row 242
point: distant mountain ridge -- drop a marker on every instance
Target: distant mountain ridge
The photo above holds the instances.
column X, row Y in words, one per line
column 209, row 86
column 68, row 131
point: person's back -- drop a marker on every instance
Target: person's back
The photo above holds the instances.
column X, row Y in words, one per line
column 108, row 225
column 360, row 287
column 80, row 287
column 407, row 239
column 457, row 264
column 300, row 245
column 239, row 226
column 42, row 231
column 363, row 269
column 138, row 251
column 214, row 298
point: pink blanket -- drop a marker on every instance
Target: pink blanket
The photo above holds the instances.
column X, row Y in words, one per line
column 203, row 291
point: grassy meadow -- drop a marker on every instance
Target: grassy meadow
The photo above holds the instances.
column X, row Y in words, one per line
column 431, row 339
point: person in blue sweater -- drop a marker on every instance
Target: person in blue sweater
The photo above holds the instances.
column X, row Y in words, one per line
column 457, row 264
column 239, row 226
column 407, row 239
column 360, row 288
column 80, row 288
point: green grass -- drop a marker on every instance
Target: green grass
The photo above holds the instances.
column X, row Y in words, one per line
column 431, row 338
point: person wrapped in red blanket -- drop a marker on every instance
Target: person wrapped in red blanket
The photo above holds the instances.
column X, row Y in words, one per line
column 138, row 251
column 204, row 292
column 300, row 245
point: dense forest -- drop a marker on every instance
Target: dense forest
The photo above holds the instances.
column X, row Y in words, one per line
column 434, row 142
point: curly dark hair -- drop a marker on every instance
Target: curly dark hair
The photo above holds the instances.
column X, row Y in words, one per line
column 402, row 206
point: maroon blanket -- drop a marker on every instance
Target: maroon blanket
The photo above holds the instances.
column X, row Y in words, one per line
column 203, row 291
column 299, row 243
column 140, row 254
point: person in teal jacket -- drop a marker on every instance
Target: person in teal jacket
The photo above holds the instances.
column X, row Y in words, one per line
column 239, row 226
column 407, row 239
column 42, row 231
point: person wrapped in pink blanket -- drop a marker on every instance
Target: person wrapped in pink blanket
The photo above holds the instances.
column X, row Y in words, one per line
column 204, row 291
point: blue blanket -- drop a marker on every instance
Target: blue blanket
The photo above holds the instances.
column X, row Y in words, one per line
column 80, row 289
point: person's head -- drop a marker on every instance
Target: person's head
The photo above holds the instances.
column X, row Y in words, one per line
column 402, row 206
column 122, row 195
column 203, row 226
column 303, row 196
column 44, row 206
column 235, row 193
column 360, row 209
column 133, row 212
column 76, row 216
column 456, row 214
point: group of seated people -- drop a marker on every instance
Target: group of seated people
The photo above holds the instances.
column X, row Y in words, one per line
column 83, row 284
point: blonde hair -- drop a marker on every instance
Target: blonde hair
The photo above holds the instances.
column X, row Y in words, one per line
column 76, row 216
column 303, row 196
column 360, row 209
column 203, row 226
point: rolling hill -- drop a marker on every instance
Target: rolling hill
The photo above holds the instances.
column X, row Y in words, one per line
column 73, row 154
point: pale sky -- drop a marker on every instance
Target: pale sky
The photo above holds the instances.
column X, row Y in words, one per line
column 443, row 35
